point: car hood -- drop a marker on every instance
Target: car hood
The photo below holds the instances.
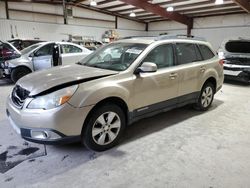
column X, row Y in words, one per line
column 46, row 81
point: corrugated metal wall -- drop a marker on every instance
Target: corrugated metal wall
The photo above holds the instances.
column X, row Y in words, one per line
column 26, row 24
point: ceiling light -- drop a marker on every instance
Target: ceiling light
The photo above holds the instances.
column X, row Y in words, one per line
column 170, row 9
column 93, row 3
column 132, row 14
column 219, row 2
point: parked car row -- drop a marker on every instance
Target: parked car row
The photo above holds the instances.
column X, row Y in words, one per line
column 94, row 100
column 43, row 55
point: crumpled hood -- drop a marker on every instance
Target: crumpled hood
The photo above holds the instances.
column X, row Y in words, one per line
column 61, row 76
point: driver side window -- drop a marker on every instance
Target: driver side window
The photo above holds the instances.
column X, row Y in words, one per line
column 162, row 56
column 45, row 50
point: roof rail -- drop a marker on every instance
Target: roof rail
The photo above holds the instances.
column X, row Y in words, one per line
column 191, row 37
column 132, row 37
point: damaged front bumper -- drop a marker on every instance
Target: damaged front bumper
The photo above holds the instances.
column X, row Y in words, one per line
column 237, row 72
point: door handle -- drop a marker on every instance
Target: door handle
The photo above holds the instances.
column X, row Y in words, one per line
column 202, row 69
column 172, row 76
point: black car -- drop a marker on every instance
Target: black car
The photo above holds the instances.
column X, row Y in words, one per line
column 20, row 44
column 236, row 55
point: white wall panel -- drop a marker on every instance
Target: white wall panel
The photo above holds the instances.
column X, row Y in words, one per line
column 215, row 29
column 47, row 31
column 126, row 33
column 80, row 12
column 16, row 15
column 165, row 25
column 92, row 23
column 20, row 6
column 128, row 24
column 2, row 10
column 37, row 7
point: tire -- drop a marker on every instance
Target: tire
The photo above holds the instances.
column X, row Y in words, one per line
column 18, row 73
column 206, row 97
column 99, row 132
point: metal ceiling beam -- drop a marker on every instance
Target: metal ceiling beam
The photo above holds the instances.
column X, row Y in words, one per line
column 115, row 6
column 214, row 12
column 7, row 10
column 244, row 4
column 105, row 2
column 105, row 12
column 156, row 9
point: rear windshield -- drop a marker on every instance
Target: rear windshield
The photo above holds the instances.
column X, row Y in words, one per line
column 238, row 46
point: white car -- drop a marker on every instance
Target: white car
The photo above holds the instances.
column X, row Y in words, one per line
column 44, row 55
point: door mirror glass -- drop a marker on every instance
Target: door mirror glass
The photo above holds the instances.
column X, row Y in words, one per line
column 146, row 67
column 31, row 55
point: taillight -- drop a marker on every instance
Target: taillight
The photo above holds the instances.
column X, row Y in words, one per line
column 221, row 62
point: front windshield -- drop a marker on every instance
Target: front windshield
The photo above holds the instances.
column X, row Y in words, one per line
column 29, row 49
column 115, row 56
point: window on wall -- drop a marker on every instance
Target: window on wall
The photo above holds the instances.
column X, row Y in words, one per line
column 187, row 53
column 206, row 52
column 67, row 49
column 162, row 56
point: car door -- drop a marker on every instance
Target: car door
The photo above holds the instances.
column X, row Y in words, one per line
column 71, row 54
column 42, row 58
column 190, row 66
column 157, row 90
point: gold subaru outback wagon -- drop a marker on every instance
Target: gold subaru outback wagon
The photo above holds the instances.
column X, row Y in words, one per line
column 94, row 100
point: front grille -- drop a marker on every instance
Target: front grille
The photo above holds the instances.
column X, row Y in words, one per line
column 19, row 95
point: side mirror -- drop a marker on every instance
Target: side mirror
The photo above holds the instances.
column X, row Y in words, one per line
column 146, row 67
column 32, row 54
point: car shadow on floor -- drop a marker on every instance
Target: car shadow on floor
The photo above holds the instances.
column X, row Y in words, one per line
column 163, row 120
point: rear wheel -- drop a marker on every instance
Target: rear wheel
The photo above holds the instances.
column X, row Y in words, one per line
column 104, row 128
column 206, row 97
column 18, row 73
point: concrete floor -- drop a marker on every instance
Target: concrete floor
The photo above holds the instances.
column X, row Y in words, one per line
column 180, row 148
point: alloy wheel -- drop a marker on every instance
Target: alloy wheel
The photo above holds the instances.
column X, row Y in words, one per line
column 207, row 96
column 106, row 128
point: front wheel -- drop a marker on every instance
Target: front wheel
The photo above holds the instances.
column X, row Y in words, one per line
column 104, row 127
column 18, row 73
column 206, row 97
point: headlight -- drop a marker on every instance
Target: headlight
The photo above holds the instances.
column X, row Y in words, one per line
column 54, row 99
column 6, row 63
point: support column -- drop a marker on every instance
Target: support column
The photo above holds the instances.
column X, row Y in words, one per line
column 146, row 27
column 190, row 27
column 7, row 9
column 65, row 16
column 116, row 22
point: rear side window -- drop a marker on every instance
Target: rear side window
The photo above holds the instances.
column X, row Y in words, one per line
column 187, row 53
column 206, row 52
column 68, row 49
